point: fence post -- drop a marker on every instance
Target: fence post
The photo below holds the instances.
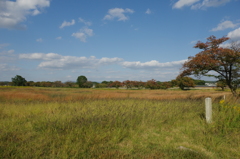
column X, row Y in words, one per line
column 208, row 107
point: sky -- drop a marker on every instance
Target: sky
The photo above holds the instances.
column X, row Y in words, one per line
column 108, row 40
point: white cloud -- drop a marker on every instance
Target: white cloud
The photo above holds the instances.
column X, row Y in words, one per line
column 85, row 22
column 59, row 38
column 235, row 34
column 56, row 61
column 148, row 11
column 182, row 3
column 80, row 35
column 151, row 64
column 224, row 25
column 65, row 23
column 14, row 12
column 39, row 40
column 83, row 34
column 195, row 4
column 209, row 3
column 40, row 56
column 118, row 13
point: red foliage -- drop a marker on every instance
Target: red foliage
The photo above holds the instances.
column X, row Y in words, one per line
column 224, row 61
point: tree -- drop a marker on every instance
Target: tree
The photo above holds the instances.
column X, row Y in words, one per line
column 19, row 81
column 199, row 82
column 138, row 84
column 81, row 80
column 221, row 84
column 57, row 84
column 128, row 84
column 165, row 85
column 69, row 84
column 183, row 82
column 116, row 84
column 87, row 84
column 215, row 59
column 152, row 84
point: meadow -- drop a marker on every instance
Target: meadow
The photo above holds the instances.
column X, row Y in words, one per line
column 61, row 123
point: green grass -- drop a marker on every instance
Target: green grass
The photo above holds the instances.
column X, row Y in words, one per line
column 117, row 128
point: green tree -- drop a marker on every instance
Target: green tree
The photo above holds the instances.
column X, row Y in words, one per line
column 199, row 82
column 215, row 59
column 183, row 82
column 81, row 80
column 19, row 81
column 221, row 84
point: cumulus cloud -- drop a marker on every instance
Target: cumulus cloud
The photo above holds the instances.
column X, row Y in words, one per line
column 118, row 13
column 225, row 25
column 85, row 22
column 235, row 34
column 152, row 64
column 83, row 34
column 12, row 13
column 40, row 56
column 148, row 11
column 181, row 3
column 199, row 4
column 56, row 61
column 65, row 23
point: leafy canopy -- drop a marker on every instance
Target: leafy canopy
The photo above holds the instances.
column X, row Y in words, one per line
column 215, row 61
column 81, row 80
column 19, row 81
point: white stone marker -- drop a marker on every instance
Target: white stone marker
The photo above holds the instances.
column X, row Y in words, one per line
column 208, row 107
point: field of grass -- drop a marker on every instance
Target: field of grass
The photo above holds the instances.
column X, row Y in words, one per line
column 90, row 123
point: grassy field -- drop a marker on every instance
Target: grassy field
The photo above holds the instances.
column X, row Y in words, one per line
column 90, row 123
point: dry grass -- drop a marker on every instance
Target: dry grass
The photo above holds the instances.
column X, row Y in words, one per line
column 86, row 123
column 73, row 94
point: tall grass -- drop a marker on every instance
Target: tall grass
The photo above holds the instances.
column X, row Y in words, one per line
column 114, row 127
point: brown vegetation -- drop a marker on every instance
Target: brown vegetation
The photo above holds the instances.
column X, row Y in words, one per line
column 74, row 94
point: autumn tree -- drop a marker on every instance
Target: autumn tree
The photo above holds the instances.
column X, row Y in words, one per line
column 152, row 84
column 116, row 84
column 215, row 61
column 128, row 84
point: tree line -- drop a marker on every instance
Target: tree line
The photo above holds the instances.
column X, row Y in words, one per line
column 82, row 82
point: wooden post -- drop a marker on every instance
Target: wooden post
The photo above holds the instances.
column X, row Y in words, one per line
column 208, row 107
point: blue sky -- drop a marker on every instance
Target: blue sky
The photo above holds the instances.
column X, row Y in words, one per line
column 49, row 40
